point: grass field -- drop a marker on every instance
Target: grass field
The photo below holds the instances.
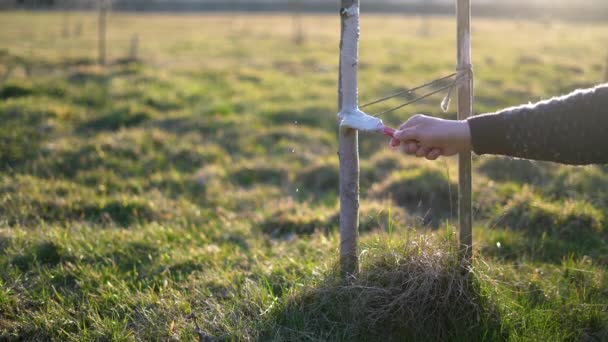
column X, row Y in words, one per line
column 197, row 186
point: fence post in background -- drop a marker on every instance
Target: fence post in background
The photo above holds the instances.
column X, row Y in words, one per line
column 348, row 139
column 78, row 29
column 27, row 62
column 64, row 6
column 133, row 53
column 465, row 109
column 65, row 29
column 296, row 18
column 425, row 26
column 101, row 38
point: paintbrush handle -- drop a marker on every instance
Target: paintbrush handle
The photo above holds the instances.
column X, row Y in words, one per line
column 388, row 131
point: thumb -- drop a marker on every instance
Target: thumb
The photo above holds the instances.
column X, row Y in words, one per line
column 410, row 133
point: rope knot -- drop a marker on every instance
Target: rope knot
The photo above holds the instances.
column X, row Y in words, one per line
column 463, row 74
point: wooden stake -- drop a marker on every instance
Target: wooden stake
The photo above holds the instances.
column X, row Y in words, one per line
column 133, row 51
column 298, row 32
column 465, row 109
column 65, row 30
column 348, row 145
column 425, row 26
column 78, row 29
column 102, row 32
column 606, row 75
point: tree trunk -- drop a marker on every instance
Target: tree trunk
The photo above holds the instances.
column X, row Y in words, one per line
column 348, row 149
column 465, row 109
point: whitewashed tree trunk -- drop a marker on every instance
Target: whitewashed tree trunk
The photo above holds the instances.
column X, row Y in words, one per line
column 348, row 149
column 465, row 109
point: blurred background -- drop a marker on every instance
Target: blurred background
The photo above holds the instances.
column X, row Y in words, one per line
column 591, row 9
column 539, row 11
column 163, row 158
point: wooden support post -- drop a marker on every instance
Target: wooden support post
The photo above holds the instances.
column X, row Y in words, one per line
column 348, row 145
column 101, row 38
column 65, row 30
column 134, row 50
column 296, row 20
column 606, row 74
column 465, row 109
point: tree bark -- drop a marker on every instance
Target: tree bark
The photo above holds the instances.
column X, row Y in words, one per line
column 465, row 109
column 348, row 145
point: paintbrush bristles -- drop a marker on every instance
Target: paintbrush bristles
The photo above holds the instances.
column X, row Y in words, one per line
column 360, row 121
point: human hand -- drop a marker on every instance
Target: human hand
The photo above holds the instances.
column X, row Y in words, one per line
column 425, row 136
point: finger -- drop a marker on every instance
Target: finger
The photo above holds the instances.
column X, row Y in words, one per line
column 433, row 154
column 394, row 142
column 423, row 151
column 416, row 118
column 412, row 121
column 407, row 134
column 409, row 147
column 412, row 147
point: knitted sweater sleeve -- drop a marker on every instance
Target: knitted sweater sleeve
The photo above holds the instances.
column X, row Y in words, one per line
column 572, row 129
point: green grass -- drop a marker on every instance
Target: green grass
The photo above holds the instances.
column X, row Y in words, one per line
column 197, row 185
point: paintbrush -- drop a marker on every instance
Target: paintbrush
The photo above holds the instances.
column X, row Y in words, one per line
column 364, row 122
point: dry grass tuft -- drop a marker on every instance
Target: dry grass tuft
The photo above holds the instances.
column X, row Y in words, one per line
column 417, row 290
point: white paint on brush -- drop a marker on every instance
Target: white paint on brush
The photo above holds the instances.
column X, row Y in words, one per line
column 358, row 120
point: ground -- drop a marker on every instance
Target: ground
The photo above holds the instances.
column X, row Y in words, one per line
column 195, row 184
